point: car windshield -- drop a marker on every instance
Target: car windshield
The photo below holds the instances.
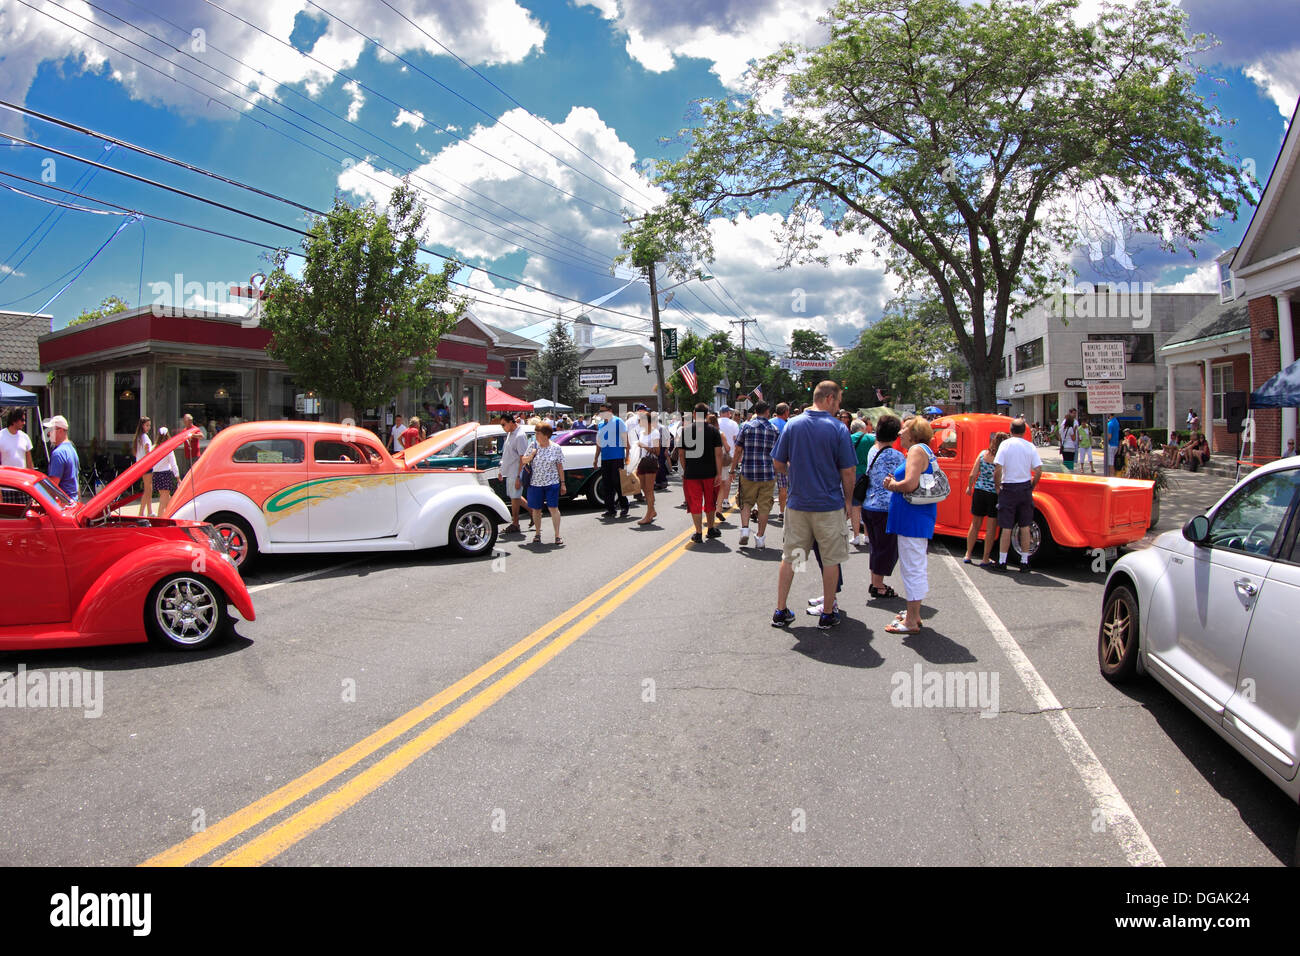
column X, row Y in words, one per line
column 54, row 493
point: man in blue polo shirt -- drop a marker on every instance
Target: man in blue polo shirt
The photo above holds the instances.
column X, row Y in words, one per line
column 612, row 446
column 815, row 451
column 1112, row 443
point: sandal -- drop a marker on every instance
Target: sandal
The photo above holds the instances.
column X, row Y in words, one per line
column 559, row 542
column 537, row 538
column 897, row 628
column 884, row 592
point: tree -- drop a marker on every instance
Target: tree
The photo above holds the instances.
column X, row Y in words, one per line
column 363, row 321
column 807, row 344
column 710, row 355
column 110, row 305
column 910, row 354
column 559, row 357
column 952, row 137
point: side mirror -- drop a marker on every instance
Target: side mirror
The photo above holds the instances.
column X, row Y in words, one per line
column 1197, row 530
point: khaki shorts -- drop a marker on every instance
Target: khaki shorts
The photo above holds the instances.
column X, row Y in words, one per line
column 830, row 529
column 757, row 494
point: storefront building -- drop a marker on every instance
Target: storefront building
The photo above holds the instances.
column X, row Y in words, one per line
column 106, row 374
column 1042, row 366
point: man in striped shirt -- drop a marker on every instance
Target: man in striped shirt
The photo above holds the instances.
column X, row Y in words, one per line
column 754, row 446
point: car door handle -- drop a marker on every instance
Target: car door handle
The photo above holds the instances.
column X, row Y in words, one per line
column 1246, row 587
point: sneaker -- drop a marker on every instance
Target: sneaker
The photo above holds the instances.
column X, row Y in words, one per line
column 1024, row 567
column 1003, row 566
column 697, row 537
column 607, row 514
column 760, row 543
column 827, row 621
column 720, row 516
column 715, row 532
column 623, row 513
column 815, row 602
column 744, row 536
column 816, row 609
column 862, row 541
column 782, row 618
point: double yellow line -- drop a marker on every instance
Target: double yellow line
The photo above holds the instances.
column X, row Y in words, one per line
column 273, row 841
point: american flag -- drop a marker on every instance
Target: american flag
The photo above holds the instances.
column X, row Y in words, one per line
column 757, row 392
column 880, row 396
column 688, row 375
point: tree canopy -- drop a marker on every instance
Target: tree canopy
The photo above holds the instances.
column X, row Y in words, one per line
column 108, row 306
column 910, row 354
column 558, row 357
column 363, row 321
column 952, row 137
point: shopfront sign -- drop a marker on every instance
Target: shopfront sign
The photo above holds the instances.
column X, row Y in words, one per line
column 11, row 378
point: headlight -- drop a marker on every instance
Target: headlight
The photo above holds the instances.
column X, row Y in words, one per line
column 205, row 534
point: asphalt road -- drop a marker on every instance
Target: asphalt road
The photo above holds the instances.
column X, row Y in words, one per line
column 423, row 709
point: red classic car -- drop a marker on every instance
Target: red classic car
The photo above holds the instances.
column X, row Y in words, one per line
column 84, row 574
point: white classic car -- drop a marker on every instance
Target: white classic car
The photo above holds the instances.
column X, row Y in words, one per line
column 1212, row 612
column 302, row 487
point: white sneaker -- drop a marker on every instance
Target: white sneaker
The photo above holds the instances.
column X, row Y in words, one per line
column 744, row 536
column 759, row 543
column 860, row 541
column 816, row 609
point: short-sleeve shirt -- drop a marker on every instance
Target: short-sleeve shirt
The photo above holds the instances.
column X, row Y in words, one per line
column 14, row 448
column 817, row 448
column 699, row 441
column 883, row 465
column 513, row 448
column 64, row 467
column 862, row 442
column 410, row 437
column 610, row 436
column 395, row 438
column 729, row 430
column 1018, row 459
column 757, row 438
column 546, row 464
column 1112, row 433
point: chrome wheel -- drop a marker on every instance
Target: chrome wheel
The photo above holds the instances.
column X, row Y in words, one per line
column 187, row 611
column 236, row 542
column 473, row 532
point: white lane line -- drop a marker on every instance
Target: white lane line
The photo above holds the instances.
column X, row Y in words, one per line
column 302, row 577
column 1120, row 819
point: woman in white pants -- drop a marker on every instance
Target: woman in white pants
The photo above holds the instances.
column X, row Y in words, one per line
column 913, row 524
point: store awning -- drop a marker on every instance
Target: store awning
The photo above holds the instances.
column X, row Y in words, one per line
column 499, row 401
column 13, row 395
column 1280, row 391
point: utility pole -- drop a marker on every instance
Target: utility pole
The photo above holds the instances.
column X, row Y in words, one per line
column 744, row 355
column 658, row 336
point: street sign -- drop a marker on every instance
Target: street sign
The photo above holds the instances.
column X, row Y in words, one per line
column 596, row 399
column 905, row 409
column 1076, row 383
column 1105, row 398
column 804, row 365
column 670, row 343
column 1104, row 361
column 598, row 375
column 957, row 393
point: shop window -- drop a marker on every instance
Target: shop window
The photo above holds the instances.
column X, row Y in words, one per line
column 216, row 398
column 1029, row 355
column 519, row 368
column 1139, row 347
column 77, row 397
column 125, row 402
column 1220, row 385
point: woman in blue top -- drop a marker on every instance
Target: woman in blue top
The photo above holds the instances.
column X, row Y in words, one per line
column 883, row 460
column 914, row 524
column 984, row 500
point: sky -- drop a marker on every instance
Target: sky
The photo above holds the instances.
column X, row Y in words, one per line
column 528, row 127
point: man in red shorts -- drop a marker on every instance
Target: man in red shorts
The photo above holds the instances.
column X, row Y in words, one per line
column 699, row 452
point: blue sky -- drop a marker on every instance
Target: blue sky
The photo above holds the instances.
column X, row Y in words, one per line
column 612, row 77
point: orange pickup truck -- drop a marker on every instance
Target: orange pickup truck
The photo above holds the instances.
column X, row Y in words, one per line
column 1070, row 510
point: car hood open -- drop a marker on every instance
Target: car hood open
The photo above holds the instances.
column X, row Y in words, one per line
column 410, row 457
column 97, row 505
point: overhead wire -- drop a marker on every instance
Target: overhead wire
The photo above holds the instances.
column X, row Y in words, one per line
column 588, row 264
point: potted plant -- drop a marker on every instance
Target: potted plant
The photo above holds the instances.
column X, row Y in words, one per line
column 1144, row 466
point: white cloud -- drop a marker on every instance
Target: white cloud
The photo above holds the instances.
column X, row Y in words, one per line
column 486, row 32
column 413, row 119
column 728, row 33
column 1276, row 75
column 11, row 271
column 353, row 90
column 1204, row 278
column 569, row 245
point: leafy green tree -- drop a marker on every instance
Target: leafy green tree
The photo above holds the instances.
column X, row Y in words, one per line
column 910, row 353
column 364, row 319
column 110, row 305
column 952, row 137
column 559, row 357
column 808, row 344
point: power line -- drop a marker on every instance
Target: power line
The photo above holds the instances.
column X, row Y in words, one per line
column 387, row 99
column 254, row 189
column 582, row 266
column 538, row 119
column 461, row 97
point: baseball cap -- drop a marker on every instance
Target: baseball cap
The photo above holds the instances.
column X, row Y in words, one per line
column 58, row 421
column 641, row 407
column 726, row 408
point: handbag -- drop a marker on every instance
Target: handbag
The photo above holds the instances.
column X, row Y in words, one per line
column 933, row 487
column 863, row 484
column 628, row 482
